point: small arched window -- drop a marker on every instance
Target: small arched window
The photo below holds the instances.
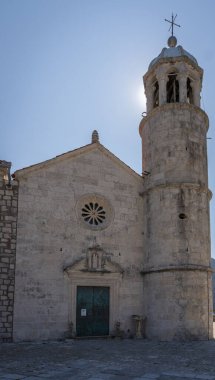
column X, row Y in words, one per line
column 172, row 89
column 155, row 94
column 189, row 92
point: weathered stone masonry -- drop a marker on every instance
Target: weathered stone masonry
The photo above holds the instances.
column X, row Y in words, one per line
column 8, row 220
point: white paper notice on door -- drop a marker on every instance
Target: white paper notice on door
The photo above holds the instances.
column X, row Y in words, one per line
column 83, row 312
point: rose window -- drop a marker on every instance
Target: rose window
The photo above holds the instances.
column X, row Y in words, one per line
column 93, row 213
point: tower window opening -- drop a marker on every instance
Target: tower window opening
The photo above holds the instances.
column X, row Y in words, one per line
column 182, row 216
column 156, row 95
column 172, row 89
column 189, row 92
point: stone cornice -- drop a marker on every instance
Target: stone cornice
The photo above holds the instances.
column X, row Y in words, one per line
column 185, row 185
column 173, row 106
column 173, row 60
column 187, row 267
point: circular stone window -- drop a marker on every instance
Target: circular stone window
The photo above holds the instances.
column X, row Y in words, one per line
column 93, row 214
column 94, row 211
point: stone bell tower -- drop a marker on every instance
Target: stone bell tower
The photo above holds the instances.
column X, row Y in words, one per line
column 177, row 273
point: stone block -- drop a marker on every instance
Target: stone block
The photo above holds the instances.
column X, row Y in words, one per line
column 5, row 260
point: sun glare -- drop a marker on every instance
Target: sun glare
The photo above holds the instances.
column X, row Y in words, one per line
column 141, row 97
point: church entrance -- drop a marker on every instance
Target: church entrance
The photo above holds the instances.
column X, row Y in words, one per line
column 92, row 312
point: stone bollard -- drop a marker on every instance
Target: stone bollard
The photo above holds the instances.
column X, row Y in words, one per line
column 138, row 326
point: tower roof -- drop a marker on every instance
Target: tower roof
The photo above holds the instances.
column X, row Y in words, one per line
column 172, row 51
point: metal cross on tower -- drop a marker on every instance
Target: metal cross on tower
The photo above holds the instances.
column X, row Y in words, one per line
column 172, row 22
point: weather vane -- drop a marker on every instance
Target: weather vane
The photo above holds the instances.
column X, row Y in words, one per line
column 172, row 23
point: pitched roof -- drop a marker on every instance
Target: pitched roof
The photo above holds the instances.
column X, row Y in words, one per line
column 74, row 153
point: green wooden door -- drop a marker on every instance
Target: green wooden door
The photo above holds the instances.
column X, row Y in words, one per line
column 92, row 317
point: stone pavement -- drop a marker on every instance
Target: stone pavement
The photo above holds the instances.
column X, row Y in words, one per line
column 109, row 359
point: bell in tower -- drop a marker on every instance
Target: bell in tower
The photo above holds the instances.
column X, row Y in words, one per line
column 177, row 272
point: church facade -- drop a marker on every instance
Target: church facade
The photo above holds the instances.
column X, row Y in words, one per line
column 91, row 248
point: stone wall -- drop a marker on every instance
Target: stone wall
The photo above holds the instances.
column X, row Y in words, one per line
column 8, row 219
column 213, row 281
column 179, row 304
column 176, row 223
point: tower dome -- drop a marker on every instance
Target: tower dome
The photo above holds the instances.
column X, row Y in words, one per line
column 172, row 51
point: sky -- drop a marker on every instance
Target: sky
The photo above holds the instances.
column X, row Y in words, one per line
column 71, row 66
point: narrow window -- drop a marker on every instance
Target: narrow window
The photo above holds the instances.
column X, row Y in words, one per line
column 189, row 92
column 172, row 89
column 156, row 95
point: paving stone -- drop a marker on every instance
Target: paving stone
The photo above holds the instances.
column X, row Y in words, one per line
column 148, row 376
column 35, row 378
column 185, row 377
column 179, row 374
column 12, row 376
column 99, row 377
column 176, row 376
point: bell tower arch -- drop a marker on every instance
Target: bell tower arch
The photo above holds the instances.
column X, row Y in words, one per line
column 177, row 274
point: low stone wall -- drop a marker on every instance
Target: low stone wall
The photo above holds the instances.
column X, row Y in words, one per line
column 8, row 220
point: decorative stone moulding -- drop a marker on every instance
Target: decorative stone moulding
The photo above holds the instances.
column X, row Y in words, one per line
column 94, row 212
